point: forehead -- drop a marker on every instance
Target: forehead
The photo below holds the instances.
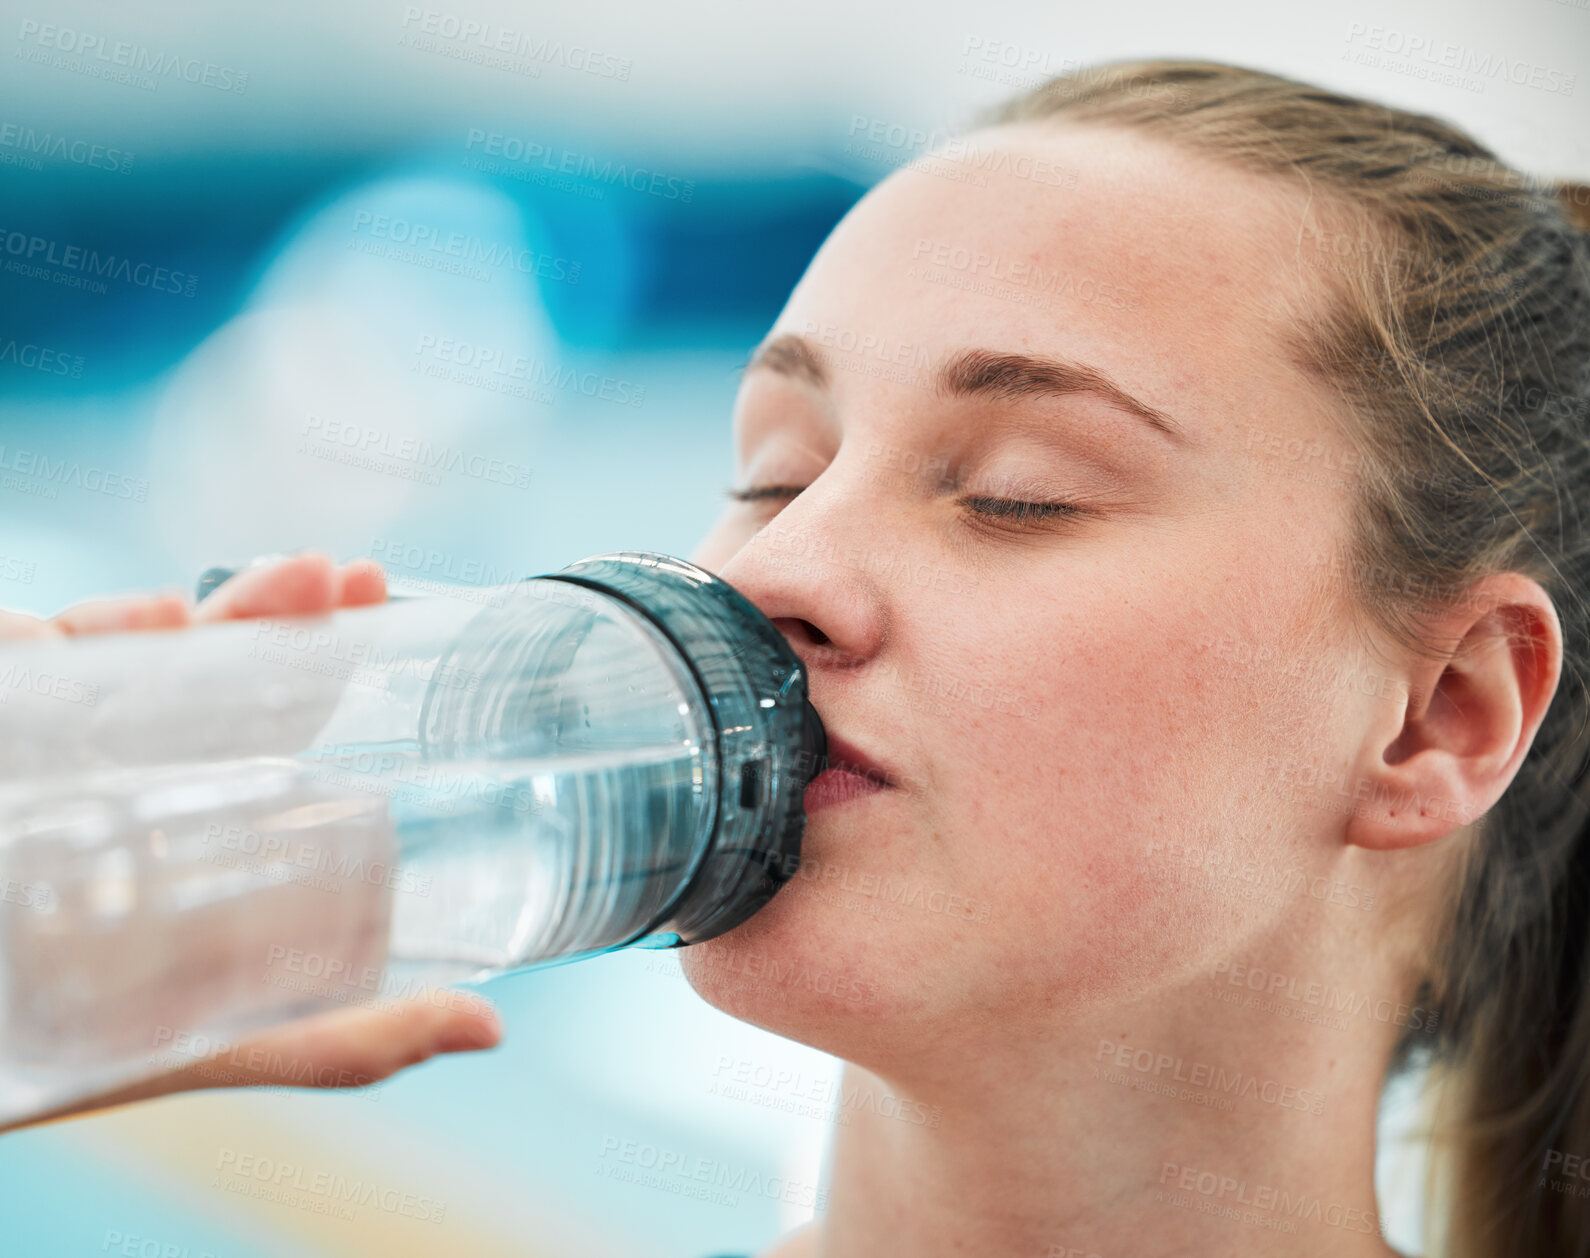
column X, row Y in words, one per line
column 1179, row 273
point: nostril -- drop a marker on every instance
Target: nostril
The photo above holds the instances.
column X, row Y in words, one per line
column 801, row 631
column 818, row 637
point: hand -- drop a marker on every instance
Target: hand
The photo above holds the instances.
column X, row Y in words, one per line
column 298, row 586
column 343, row 1047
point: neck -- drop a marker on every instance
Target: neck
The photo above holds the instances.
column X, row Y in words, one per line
column 1217, row 1118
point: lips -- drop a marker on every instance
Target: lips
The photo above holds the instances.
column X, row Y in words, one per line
column 848, row 758
column 846, row 773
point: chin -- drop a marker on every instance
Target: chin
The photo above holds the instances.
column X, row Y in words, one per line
column 803, row 967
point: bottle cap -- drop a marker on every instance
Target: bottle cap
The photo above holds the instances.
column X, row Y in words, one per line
column 769, row 739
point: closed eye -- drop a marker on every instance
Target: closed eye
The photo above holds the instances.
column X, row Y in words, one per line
column 1018, row 511
column 760, row 493
column 1011, row 510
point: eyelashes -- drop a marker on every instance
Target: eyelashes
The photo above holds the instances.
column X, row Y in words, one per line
column 761, row 493
column 1017, row 511
column 1006, row 510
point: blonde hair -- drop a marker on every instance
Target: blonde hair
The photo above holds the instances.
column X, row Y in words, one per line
column 1457, row 326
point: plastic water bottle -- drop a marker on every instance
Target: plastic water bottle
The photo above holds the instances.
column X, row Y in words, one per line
column 210, row 831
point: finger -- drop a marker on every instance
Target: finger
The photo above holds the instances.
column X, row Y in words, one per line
column 363, row 582
column 297, row 586
column 119, row 615
column 341, row 1048
column 21, row 625
column 351, row 1047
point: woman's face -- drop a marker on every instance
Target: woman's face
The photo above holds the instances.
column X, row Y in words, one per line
column 1068, row 702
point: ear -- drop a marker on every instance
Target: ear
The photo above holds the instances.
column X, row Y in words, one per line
column 1441, row 757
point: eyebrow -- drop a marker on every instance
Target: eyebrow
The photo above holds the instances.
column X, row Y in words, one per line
column 980, row 373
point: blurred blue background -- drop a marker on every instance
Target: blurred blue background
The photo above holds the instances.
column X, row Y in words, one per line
column 317, row 275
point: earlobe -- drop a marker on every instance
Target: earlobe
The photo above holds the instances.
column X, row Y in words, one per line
column 1439, row 760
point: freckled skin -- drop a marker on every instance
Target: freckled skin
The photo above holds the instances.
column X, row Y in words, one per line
column 1088, row 714
column 1094, row 627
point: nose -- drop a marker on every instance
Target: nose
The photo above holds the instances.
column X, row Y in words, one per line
column 831, row 612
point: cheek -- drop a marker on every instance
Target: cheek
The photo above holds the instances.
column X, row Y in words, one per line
column 1072, row 819
column 1066, row 773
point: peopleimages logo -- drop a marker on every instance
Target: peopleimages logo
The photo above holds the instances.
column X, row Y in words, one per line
column 1274, row 986
column 79, row 152
column 409, row 241
column 18, row 677
column 415, row 458
column 482, row 365
column 674, row 1171
column 472, row 40
column 30, row 895
column 69, row 473
column 285, row 1180
column 292, row 852
column 1210, row 1078
column 52, row 362
column 33, row 255
column 87, row 48
column 433, row 563
column 1443, row 60
column 562, row 161
column 1264, row 1204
